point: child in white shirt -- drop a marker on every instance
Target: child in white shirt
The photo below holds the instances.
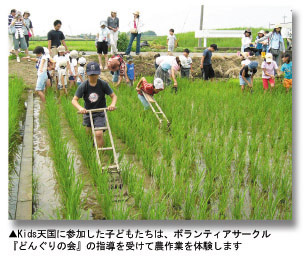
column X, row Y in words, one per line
column 171, row 40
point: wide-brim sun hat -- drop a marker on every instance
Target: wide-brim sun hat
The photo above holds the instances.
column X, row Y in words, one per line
column 103, row 23
column 248, row 30
column 82, row 60
column 277, row 26
column 61, row 49
column 74, row 54
column 63, row 63
column 136, row 13
column 261, row 32
column 113, row 11
column 253, row 65
column 158, row 83
column 268, row 57
column 27, row 12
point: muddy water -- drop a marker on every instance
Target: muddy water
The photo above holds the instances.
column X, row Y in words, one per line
column 47, row 194
column 14, row 183
column 91, row 208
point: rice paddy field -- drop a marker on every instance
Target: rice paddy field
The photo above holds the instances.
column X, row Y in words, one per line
column 226, row 155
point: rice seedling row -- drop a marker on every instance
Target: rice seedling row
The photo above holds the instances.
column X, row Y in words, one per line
column 70, row 185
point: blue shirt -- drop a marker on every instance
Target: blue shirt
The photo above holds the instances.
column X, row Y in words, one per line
column 130, row 71
column 287, row 69
column 207, row 57
column 165, row 66
column 276, row 41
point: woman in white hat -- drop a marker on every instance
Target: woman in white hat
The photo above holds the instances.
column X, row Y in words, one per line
column 28, row 27
column 276, row 45
column 113, row 26
column 135, row 32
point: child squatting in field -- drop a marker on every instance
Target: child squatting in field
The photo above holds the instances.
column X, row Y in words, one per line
column 93, row 92
column 246, row 75
column 149, row 89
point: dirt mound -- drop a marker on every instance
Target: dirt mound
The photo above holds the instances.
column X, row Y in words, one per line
column 224, row 66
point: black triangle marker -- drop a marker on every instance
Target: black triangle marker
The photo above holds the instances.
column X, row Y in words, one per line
column 13, row 234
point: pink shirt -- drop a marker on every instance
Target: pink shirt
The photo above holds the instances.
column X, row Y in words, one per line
column 269, row 68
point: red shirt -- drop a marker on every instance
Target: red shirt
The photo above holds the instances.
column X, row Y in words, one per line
column 146, row 88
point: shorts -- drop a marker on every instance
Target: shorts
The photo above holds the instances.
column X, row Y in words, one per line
column 71, row 78
column 287, row 83
column 265, row 82
column 41, row 81
column 19, row 42
column 144, row 102
column 243, row 82
column 208, row 72
column 99, row 119
column 185, row 72
column 170, row 48
column 102, row 47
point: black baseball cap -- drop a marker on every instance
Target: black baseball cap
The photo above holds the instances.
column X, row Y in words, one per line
column 214, row 46
column 186, row 50
column 93, row 69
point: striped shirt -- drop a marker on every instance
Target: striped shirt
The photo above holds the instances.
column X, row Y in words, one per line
column 18, row 24
column 10, row 19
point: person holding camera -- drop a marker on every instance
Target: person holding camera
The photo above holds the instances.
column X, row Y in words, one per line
column 18, row 35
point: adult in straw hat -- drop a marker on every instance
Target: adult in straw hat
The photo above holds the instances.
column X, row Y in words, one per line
column 28, row 27
column 259, row 46
column 135, row 32
column 276, row 45
column 113, row 26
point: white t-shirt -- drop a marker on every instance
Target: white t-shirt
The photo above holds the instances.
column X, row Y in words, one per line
column 81, row 72
column 46, row 50
column 58, row 59
column 171, row 40
column 185, row 61
column 73, row 64
column 62, row 72
column 163, row 59
column 103, row 34
column 245, row 62
column 43, row 57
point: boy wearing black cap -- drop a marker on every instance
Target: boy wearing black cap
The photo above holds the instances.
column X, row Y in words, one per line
column 93, row 92
column 206, row 63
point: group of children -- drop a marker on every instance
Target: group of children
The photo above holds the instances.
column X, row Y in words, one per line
column 269, row 70
column 63, row 66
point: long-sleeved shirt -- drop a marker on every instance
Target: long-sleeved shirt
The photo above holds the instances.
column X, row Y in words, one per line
column 245, row 42
column 136, row 24
column 275, row 41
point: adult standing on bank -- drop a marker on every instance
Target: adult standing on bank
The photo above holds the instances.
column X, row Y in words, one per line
column 55, row 39
column 28, row 28
column 206, row 63
column 135, row 32
column 18, row 35
column 276, row 44
column 11, row 17
column 113, row 26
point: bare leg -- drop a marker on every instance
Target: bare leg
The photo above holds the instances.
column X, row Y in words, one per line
column 106, row 60
column 99, row 139
column 41, row 95
column 100, row 60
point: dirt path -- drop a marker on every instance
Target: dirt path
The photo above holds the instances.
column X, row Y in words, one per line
column 25, row 70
